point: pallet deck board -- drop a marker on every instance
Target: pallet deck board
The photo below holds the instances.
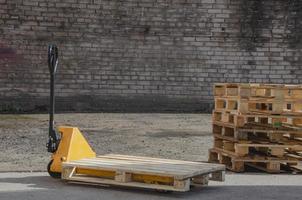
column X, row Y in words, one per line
column 184, row 173
column 106, row 182
column 179, row 170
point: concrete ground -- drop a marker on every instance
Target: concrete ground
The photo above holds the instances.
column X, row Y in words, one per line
column 39, row 186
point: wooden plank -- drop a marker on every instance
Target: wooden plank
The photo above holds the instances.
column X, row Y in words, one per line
column 178, row 170
column 163, row 168
column 149, row 160
column 297, row 168
column 128, row 168
column 270, row 145
column 89, row 180
column 169, row 166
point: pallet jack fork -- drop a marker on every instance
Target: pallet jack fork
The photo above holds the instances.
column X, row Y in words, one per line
column 74, row 160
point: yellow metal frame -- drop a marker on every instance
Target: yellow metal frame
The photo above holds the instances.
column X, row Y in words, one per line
column 73, row 146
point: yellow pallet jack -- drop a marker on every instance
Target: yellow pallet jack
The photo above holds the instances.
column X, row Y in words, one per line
column 74, row 160
column 66, row 143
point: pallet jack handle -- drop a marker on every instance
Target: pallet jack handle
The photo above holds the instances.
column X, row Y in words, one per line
column 53, row 136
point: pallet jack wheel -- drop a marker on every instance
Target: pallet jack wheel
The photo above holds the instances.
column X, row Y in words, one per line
column 52, row 174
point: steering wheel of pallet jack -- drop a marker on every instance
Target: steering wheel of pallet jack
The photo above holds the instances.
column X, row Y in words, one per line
column 52, row 174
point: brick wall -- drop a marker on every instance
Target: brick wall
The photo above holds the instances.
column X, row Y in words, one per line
column 144, row 55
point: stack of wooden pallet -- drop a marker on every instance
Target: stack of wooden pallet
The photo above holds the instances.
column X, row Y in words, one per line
column 257, row 125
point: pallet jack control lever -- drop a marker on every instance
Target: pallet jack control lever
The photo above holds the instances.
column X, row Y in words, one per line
column 53, row 136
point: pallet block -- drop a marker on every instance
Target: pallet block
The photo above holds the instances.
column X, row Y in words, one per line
column 231, row 104
column 142, row 172
column 229, row 118
column 231, row 90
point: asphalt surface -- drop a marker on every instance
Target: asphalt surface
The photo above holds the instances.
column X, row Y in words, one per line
column 39, row 186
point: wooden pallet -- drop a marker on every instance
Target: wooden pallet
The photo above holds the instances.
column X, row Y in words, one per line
column 260, row 140
column 272, row 106
column 239, row 164
column 253, row 131
column 257, row 105
column 239, row 120
column 258, row 90
column 142, row 172
column 244, row 148
column 275, row 134
column 254, row 124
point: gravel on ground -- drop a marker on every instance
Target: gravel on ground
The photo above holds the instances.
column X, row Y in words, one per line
column 175, row 136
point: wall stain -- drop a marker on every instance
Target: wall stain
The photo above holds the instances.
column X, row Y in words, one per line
column 294, row 24
column 252, row 21
column 293, row 34
column 7, row 52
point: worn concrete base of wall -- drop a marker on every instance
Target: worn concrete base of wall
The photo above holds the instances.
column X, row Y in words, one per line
column 82, row 103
